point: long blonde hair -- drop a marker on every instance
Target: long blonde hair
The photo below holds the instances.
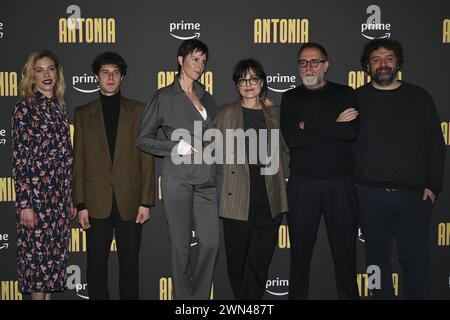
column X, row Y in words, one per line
column 26, row 86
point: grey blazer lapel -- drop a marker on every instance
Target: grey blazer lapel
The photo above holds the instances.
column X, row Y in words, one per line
column 187, row 109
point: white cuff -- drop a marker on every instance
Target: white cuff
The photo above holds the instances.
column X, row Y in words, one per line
column 183, row 148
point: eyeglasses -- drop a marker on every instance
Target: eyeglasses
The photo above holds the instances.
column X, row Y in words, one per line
column 313, row 63
column 244, row 82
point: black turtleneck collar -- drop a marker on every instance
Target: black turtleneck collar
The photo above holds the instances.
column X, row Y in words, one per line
column 110, row 100
column 111, row 112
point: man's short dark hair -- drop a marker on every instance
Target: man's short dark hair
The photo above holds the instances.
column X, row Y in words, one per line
column 244, row 66
column 376, row 44
column 313, row 45
column 190, row 46
column 109, row 57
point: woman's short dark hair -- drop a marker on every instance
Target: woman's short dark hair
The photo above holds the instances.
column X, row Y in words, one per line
column 313, row 45
column 109, row 57
column 376, row 44
column 244, row 66
column 190, row 46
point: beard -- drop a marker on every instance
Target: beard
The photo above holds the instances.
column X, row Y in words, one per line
column 311, row 81
column 383, row 76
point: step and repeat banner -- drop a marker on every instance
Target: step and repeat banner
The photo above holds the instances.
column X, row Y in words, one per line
column 148, row 33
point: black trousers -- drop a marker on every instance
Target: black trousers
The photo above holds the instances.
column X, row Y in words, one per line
column 308, row 199
column 249, row 245
column 128, row 240
column 405, row 217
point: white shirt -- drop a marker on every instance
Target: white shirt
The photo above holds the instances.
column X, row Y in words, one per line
column 184, row 147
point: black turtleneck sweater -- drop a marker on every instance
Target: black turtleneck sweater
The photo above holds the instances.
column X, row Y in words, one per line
column 400, row 143
column 111, row 111
column 323, row 149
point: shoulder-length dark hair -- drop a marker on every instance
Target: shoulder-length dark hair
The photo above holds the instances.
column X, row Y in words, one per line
column 244, row 66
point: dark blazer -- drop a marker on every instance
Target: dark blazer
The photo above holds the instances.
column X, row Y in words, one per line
column 130, row 174
column 168, row 110
column 233, row 180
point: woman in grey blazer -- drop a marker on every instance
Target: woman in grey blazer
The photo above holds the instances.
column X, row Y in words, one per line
column 251, row 197
column 182, row 111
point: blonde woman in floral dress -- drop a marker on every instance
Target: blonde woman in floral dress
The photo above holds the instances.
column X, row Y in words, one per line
column 42, row 169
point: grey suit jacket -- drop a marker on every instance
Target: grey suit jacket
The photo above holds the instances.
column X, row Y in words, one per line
column 233, row 180
column 170, row 109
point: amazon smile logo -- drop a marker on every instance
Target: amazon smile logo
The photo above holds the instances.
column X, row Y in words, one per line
column 74, row 282
column 184, row 30
column 373, row 28
column 85, row 84
column 360, row 235
column 277, row 287
column 280, row 83
column 4, row 241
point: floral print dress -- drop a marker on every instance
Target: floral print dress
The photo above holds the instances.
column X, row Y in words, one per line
column 42, row 169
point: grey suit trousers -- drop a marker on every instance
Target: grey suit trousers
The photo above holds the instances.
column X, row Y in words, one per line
column 191, row 207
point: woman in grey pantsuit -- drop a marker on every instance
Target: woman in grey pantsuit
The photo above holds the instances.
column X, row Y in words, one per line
column 189, row 190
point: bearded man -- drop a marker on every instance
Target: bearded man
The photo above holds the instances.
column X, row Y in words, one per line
column 319, row 121
column 399, row 162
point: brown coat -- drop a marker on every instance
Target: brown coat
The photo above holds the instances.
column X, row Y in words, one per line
column 233, row 180
column 130, row 174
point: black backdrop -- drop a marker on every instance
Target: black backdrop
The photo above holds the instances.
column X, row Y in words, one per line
column 148, row 33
